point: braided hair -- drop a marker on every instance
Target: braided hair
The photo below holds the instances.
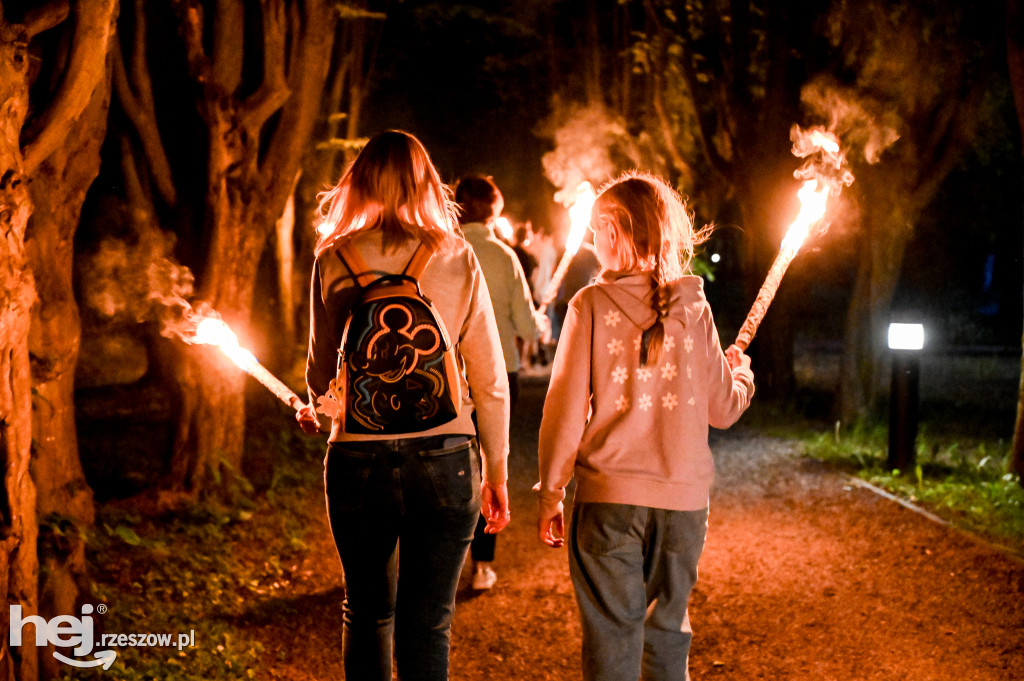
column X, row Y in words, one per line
column 657, row 236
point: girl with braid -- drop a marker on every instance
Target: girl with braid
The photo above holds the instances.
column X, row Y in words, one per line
column 638, row 377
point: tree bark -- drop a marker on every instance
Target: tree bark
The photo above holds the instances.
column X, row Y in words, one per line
column 39, row 341
column 18, row 528
column 64, row 498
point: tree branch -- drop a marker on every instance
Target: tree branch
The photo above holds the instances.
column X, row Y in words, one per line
column 273, row 91
column 959, row 118
column 307, row 74
column 86, row 68
column 137, row 194
column 40, row 19
column 227, row 49
column 190, row 26
column 141, row 110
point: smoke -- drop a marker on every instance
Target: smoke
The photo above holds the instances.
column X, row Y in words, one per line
column 824, row 156
column 861, row 122
column 137, row 281
column 590, row 146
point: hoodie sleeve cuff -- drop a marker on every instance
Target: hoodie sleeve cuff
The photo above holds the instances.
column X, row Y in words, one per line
column 744, row 376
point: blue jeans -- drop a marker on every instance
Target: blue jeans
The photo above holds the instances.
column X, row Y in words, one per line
column 633, row 569
column 404, row 506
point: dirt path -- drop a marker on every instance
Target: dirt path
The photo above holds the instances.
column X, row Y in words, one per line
column 804, row 576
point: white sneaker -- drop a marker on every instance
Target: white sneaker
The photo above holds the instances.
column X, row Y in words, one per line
column 484, row 578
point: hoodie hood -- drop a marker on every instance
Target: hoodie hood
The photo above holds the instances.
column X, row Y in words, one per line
column 631, row 294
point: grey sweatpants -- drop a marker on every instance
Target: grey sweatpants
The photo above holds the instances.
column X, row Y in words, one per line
column 633, row 569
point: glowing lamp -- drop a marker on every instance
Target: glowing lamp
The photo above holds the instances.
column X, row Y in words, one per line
column 905, row 342
column 906, row 336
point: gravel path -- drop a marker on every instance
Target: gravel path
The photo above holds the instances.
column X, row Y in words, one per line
column 804, row 576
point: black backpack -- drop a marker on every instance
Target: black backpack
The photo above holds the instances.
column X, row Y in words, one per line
column 397, row 369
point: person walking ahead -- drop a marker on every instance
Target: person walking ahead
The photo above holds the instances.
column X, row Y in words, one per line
column 481, row 202
column 403, row 507
column 638, row 376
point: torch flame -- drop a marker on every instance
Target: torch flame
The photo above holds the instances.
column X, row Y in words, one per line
column 213, row 331
column 813, row 197
column 823, row 173
column 503, row 226
column 579, row 217
column 823, row 140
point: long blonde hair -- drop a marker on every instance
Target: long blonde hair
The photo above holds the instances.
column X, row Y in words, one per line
column 392, row 185
column 656, row 235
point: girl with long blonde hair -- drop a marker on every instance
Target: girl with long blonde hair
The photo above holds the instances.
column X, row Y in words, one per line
column 638, row 377
column 417, row 491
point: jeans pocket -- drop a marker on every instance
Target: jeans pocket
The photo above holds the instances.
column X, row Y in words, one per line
column 685, row 532
column 603, row 529
column 454, row 473
column 346, row 476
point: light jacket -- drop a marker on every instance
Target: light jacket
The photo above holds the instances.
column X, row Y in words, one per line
column 631, row 434
column 508, row 288
column 455, row 285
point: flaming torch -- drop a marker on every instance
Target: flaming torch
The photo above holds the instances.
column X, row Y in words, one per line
column 213, row 331
column 822, row 176
column 579, row 218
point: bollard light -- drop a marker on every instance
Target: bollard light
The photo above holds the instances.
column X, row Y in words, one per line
column 905, row 344
column 906, row 336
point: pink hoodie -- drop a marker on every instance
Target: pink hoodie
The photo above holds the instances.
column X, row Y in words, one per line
column 631, row 434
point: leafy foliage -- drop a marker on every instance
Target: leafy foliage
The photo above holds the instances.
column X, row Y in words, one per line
column 194, row 571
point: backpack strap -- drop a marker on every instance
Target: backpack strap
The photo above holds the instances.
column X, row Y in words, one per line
column 419, row 261
column 352, row 259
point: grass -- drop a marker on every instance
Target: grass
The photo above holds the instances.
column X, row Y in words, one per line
column 236, row 558
column 961, row 471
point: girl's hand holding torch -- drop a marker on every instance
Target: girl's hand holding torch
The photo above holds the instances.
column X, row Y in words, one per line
column 737, row 358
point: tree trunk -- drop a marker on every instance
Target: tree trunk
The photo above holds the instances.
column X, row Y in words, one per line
column 65, row 500
column 211, row 432
column 887, row 229
column 253, row 143
column 1015, row 57
column 285, row 260
column 18, row 528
